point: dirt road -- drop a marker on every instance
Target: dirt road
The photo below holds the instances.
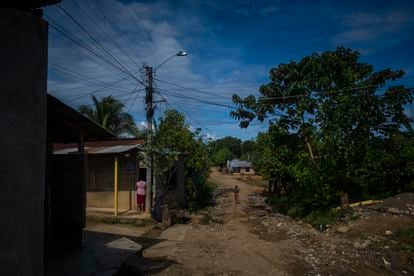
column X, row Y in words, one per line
column 232, row 247
column 250, row 239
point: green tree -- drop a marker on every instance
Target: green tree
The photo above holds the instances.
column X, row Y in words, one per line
column 221, row 157
column 247, row 150
column 109, row 113
column 173, row 141
column 344, row 117
column 231, row 143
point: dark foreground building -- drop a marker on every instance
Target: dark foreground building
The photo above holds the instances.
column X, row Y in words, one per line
column 23, row 82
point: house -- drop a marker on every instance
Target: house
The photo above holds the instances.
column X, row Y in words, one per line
column 124, row 158
column 240, row 166
column 65, row 185
column 23, row 83
column 103, row 158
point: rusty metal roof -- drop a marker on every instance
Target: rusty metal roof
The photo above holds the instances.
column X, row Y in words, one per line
column 101, row 147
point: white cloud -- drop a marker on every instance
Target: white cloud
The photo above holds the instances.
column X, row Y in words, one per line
column 143, row 124
column 370, row 27
column 137, row 33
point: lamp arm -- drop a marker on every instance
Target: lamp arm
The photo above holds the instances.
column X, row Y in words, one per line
column 165, row 61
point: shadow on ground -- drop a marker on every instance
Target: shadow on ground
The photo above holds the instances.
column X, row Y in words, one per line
column 105, row 254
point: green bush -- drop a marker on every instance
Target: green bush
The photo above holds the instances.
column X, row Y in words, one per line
column 405, row 236
column 320, row 219
column 203, row 198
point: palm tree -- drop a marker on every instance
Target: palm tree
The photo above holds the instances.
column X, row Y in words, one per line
column 109, row 113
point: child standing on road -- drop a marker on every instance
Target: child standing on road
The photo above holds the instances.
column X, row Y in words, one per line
column 236, row 194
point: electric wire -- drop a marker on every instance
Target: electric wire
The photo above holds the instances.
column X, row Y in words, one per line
column 116, row 32
column 93, row 39
column 95, row 54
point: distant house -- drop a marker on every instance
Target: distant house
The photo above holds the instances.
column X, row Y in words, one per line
column 240, row 166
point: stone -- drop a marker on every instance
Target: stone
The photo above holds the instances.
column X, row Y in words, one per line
column 407, row 212
column 160, row 250
column 362, row 244
column 388, row 233
column 376, row 238
column 393, row 210
column 265, row 223
column 408, row 205
column 412, row 213
column 175, row 233
column 342, row 229
column 125, row 244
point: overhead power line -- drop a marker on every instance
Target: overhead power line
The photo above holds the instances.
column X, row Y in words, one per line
column 81, row 50
column 95, row 91
column 115, row 30
column 94, row 53
column 98, row 43
column 136, row 96
column 83, row 78
column 194, row 90
column 195, row 99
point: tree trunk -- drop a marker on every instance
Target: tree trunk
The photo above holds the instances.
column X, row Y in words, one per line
column 166, row 216
column 344, row 201
column 279, row 187
column 269, row 188
column 310, row 150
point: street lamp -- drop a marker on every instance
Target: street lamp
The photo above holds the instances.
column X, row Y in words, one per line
column 179, row 54
column 150, row 112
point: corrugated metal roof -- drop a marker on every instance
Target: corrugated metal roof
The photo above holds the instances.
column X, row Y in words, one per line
column 102, row 143
column 99, row 150
column 235, row 163
column 116, row 149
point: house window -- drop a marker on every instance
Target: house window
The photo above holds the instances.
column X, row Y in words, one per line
column 129, row 168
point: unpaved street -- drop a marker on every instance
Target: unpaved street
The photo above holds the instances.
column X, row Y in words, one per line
column 231, row 246
column 250, row 239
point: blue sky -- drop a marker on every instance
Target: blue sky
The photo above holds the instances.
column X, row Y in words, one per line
column 232, row 45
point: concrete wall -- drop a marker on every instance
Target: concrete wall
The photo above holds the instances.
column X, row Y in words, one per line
column 101, row 172
column 126, row 199
column 23, row 76
column 250, row 171
column 101, row 181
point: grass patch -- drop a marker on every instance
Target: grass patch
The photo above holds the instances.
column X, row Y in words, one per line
column 406, row 237
column 204, row 198
column 322, row 218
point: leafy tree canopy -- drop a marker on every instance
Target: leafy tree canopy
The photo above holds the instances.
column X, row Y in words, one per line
column 109, row 113
column 335, row 126
column 233, row 144
column 173, row 141
column 222, row 156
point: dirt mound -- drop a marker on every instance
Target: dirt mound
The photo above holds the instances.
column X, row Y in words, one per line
column 399, row 201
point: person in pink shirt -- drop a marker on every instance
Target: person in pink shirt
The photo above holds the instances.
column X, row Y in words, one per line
column 141, row 186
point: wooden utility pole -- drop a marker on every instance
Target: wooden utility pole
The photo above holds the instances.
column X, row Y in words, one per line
column 150, row 114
